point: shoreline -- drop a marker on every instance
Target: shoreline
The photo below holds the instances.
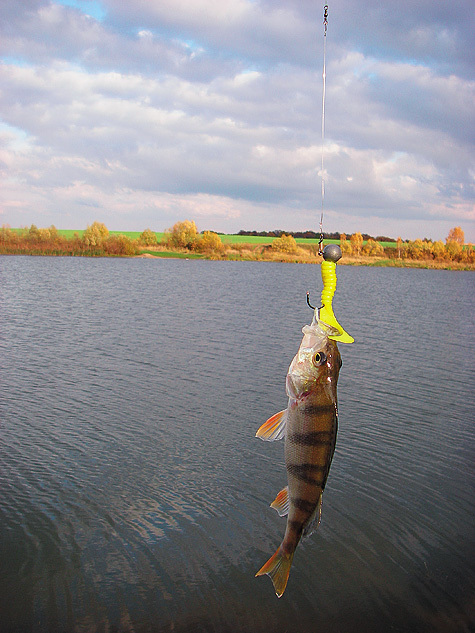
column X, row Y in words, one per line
column 378, row 262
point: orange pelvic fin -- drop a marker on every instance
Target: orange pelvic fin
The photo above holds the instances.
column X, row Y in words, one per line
column 278, row 569
column 281, row 502
column 274, row 428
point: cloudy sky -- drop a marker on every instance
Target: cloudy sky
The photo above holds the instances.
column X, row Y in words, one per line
column 141, row 113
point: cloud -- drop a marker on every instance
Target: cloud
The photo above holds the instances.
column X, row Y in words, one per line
column 156, row 112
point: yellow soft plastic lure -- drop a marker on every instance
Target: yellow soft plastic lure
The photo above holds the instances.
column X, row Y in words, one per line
column 331, row 254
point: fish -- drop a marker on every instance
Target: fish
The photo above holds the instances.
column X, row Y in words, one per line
column 309, row 425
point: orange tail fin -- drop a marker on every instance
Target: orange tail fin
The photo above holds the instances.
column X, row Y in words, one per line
column 278, row 569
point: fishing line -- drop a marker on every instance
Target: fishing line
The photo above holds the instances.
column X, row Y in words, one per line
column 324, row 80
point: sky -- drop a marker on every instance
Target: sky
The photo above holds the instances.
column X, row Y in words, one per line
column 141, row 114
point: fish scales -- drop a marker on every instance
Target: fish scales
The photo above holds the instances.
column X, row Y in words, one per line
column 309, row 425
column 309, row 446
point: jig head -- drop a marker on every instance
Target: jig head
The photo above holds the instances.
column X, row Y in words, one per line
column 331, row 254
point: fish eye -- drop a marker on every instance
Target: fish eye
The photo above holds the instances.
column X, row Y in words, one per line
column 319, row 358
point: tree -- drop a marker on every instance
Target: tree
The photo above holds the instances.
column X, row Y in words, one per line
column 6, row 234
column 53, row 231
column 209, row 242
column 96, row 234
column 148, row 238
column 438, row 250
column 454, row 249
column 183, row 234
column 373, row 248
column 44, row 235
column 119, row 245
column 345, row 245
column 286, row 244
column 456, row 235
column 399, row 247
column 33, row 232
column 416, row 249
column 356, row 243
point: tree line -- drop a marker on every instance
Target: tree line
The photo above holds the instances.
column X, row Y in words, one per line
column 184, row 236
column 454, row 248
column 95, row 241
column 311, row 235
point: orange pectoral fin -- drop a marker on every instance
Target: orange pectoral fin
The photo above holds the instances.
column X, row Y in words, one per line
column 274, row 428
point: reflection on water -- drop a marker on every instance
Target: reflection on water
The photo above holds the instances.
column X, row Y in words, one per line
column 135, row 496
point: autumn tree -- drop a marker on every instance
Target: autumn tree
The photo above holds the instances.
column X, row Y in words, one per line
column 209, row 242
column 182, row 234
column 6, row 234
column 456, row 235
column 345, row 245
column 96, row 234
column 415, row 249
column 373, row 248
column 356, row 243
column 53, row 231
column 438, row 250
column 453, row 249
column 44, row 235
column 33, row 233
column 148, row 238
column 399, row 247
column 285, row 244
column 120, row 245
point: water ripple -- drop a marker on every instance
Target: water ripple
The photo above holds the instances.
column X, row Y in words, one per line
column 135, row 496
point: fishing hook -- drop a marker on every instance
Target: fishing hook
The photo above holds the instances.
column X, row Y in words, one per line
column 310, row 305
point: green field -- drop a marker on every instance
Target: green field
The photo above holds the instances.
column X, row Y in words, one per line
column 133, row 235
column 258, row 239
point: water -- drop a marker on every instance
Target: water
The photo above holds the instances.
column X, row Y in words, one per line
column 134, row 495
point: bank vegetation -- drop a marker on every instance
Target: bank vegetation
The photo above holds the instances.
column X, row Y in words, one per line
column 184, row 240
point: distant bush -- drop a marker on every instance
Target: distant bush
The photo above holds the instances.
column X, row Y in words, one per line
column 346, row 248
column 438, row 250
column 148, row 238
column 415, row 250
column 373, row 248
column 9, row 239
column 182, row 235
column 356, row 241
column 209, row 242
column 454, row 250
column 95, row 241
column 285, row 244
column 96, row 234
column 120, row 245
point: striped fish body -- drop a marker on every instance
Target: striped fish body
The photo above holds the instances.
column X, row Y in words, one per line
column 311, row 428
column 309, row 425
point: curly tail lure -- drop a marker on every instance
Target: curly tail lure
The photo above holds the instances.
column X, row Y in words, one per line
column 331, row 254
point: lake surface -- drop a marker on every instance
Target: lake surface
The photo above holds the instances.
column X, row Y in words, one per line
column 135, row 497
